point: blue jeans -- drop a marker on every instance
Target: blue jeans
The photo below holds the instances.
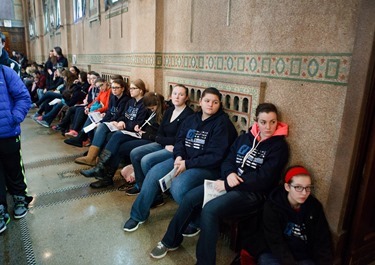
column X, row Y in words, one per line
column 125, row 149
column 228, row 205
column 184, row 182
column 40, row 92
column 189, row 209
column 268, row 258
column 51, row 115
column 101, row 136
column 143, row 158
column 48, row 97
column 117, row 139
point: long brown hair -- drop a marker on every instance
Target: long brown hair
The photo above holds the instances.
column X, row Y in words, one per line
column 154, row 99
column 70, row 77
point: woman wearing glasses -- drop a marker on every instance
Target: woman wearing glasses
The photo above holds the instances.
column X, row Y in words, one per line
column 134, row 113
column 295, row 227
column 143, row 133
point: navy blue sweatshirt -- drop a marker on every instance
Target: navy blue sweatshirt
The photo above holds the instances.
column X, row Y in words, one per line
column 204, row 144
column 116, row 107
column 135, row 114
column 61, row 62
column 297, row 235
column 262, row 169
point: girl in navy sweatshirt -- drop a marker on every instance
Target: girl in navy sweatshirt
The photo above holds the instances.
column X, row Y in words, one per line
column 202, row 142
column 252, row 168
column 295, row 227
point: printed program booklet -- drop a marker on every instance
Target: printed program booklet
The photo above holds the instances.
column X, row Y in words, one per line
column 210, row 192
column 111, row 127
column 134, row 134
column 54, row 102
column 166, row 181
column 95, row 117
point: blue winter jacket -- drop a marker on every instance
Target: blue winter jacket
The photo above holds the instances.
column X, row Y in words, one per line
column 14, row 102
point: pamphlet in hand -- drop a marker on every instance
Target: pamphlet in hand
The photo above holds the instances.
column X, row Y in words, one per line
column 166, row 181
column 210, row 192
column 111, row 127
column 134, row 134
column 90, row 127
column 95, row 117
column 54, row 102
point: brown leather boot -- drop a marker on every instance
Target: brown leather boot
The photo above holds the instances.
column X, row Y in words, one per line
column 90, row 159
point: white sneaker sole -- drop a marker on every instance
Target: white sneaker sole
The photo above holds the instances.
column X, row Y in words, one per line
column 162, row 256
column 133, row 229
column 20, row 216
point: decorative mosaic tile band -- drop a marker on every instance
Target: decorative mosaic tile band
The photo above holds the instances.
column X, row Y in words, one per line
column 326, row 68
column 322, row 68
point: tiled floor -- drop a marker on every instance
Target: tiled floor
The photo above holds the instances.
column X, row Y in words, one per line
column 69, row 223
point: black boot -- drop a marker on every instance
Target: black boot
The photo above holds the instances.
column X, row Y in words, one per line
column 100, row 169
column 78, row 140
column 104, row 180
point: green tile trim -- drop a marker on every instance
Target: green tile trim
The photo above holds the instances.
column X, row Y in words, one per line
column 332, row 70
column 329, row 68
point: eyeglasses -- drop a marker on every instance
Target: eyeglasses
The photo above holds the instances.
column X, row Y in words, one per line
column 133, row 88
column 115, row 87
column 100, row 85
column 300, row 188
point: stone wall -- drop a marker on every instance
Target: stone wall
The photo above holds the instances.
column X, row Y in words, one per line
column 301, row 50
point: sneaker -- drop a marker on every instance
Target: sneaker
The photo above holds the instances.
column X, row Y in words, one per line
column 35, row 116
column 160, row 251
column 4, row 219
column 131, row 225
column 126, row 186
column 71, row 133
column 20, row 206
column 33, row 106
column 132, row 191
column 159, row 201
column 191, row 231
column 42, row 122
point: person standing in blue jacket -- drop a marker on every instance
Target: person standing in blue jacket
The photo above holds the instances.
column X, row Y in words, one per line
column 14, row 104
column 202, row 142
column 251, row 170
